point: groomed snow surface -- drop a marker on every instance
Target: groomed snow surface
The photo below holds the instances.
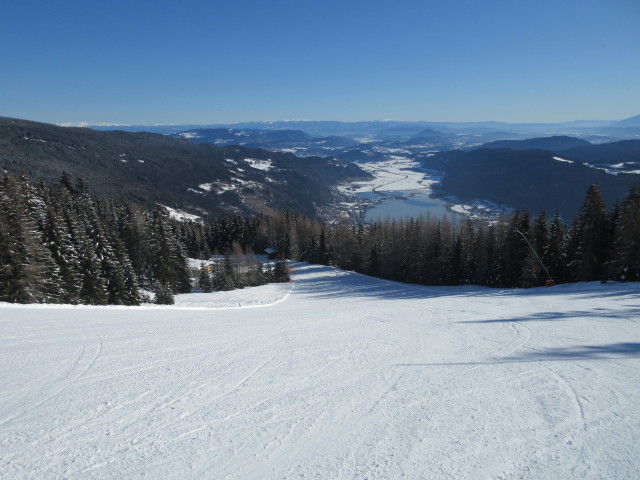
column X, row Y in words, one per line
column 332, row 376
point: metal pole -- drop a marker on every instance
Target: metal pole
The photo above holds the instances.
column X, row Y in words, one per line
column 535, row 253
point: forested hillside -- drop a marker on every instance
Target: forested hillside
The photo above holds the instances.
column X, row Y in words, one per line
column 555, row 143
column 150, row 168
column 536, row 180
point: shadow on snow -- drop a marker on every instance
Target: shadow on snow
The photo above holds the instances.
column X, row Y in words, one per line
column 613, row 351
column 328, row 282
column 631, row 313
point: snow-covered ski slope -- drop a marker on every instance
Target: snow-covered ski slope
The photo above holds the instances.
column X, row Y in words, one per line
column 332, row 376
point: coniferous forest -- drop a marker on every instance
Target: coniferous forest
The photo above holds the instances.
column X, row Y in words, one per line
column 59, row 244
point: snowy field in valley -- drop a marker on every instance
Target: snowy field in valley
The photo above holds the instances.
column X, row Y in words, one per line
column 392, row 175
column 334, row 375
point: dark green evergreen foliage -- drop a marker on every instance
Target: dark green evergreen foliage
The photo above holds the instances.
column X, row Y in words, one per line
column 94, row 288
column 29, row 273
column 164, row 293
column 225, row 277
column 533, row 272
column 590, row 238
column 280, row 272
column 93, row 247
column 256, row 275
column 556, row 255
column 134, row 230
column 625, row 259
column 194, row 239
column 204, row 280
column 230, row 270
column 59, row 240
column 7, row 253
column 59, row 245
column 169, row 263
column 469, row 253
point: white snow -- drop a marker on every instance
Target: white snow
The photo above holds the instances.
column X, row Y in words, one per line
column 224, row 187
column 622, row 165
column 395, row 174
column 336, row 375
column 562, row 160
column 391, row 150
column 259, row 164
column 464, row 209
column 614, row 169
column 181, row 215
column 189, row 135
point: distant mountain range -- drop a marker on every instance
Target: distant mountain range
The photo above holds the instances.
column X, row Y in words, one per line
column 293, row 141
column 629, row 122
column 152, row 168
column 624, row 129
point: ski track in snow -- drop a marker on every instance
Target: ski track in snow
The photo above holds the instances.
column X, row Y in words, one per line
column 335, row 375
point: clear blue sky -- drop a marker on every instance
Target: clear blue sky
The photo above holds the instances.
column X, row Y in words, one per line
column 146, row 62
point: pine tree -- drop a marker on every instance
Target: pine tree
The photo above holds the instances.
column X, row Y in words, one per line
column 589, row 238
column 95, row 250
column 30, row 274
column 625, row 263
column 204, row 280
column 164, row 294
column 222, row 280
column 514, row 250
column 134, row 228
column 231, row 271
column 8, row 252
column 60, row 242
column 253, row 273
column 468, row 253
column 258, row 276
column 168, row 260
column 533, row 274
column 556, row 256
column 280, row 272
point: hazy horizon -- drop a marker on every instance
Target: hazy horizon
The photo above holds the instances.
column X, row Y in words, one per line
column 90, row 124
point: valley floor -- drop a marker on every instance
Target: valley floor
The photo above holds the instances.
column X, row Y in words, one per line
column 334, row 375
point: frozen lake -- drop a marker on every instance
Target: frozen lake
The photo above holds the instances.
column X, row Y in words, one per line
column 403, row 204
column 400, row 189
